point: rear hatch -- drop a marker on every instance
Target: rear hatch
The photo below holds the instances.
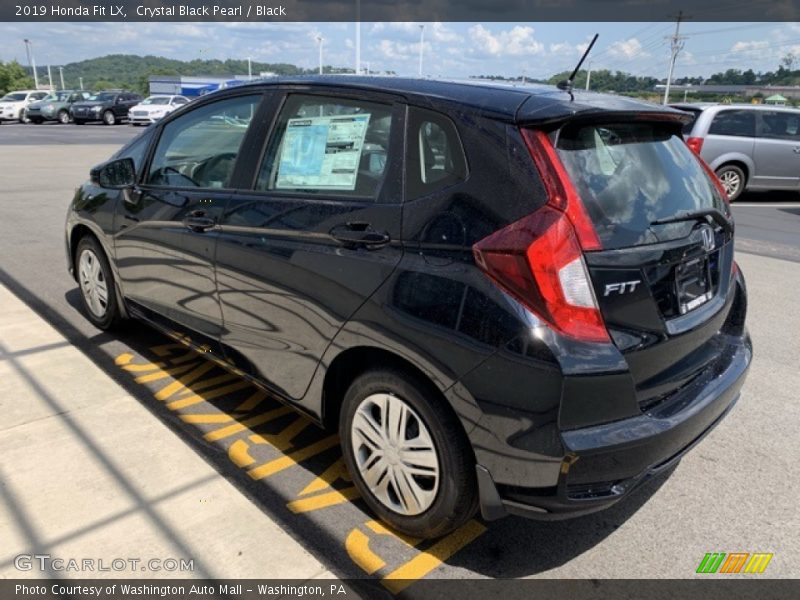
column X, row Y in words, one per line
column 662, row 277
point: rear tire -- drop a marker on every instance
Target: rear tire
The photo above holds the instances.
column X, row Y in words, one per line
column 733, row 180
column 23, row 116
column 400, row 435
column 96, row 283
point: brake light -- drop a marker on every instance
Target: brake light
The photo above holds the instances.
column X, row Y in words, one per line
column 695, row 144
column 539, row 258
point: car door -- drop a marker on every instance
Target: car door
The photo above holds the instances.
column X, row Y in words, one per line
column 314, row 236
column 167, row 227
column 777, row 149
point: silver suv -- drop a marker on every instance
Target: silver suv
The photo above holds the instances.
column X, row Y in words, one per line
column 753, row 147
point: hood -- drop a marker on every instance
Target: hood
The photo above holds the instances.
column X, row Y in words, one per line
column 151, row 107
column 8, row 104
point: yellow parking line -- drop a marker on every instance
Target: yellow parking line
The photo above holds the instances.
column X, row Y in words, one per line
column 218, row 434
column 323, row 500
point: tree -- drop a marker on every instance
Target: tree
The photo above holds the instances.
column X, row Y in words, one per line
column 788, row 61
column 13, row 77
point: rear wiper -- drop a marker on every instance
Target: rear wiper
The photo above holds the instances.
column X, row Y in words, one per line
column 693, row 215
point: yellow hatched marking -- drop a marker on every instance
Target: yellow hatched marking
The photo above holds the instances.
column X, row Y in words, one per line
column 218, row 434
column 284, row 462
column 323, row 500
column 196, row 399
column 177, row 385
column 206, row 419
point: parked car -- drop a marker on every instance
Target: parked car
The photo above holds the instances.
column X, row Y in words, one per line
column 13, row 106
column 110, row 107
column 749, row 146
column 154, row 108
column 501, row 298
column 55, row 106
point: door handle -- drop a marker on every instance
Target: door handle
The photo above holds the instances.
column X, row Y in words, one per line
column 198, row 221
column 359, row 234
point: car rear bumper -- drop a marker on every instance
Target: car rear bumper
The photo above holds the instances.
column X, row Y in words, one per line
column 603, row 463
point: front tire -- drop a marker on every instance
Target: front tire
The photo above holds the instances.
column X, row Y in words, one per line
column 109, row 118
column 733, row 180
column 96, row 282
column 407, row 453
column 23, row 116
column 63, row 117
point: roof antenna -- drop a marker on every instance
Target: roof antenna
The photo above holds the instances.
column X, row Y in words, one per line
column 566, row 84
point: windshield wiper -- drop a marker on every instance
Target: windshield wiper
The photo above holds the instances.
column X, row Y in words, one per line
column 694, row 215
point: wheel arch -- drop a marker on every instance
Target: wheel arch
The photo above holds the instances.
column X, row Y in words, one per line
column 347, row 365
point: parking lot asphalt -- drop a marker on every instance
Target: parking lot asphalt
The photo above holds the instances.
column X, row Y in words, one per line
column 736, row 492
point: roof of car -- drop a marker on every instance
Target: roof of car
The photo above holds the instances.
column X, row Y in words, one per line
column 507, row 100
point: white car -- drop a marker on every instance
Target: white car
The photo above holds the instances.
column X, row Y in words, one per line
column 153, row 108
column 13, row 104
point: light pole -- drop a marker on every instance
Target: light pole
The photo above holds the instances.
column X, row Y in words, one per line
column 320, row 39
column 80, row 79
column 50, row 78
column 421, row 46
column 31, row 61
column 588, row 75
column 358, row 37
column 61, row 72
column 249, row 69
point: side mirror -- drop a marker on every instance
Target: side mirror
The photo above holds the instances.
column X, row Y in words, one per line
column 114, row 175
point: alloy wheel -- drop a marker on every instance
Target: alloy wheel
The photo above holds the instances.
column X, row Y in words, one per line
column 731, row 181
column 395, row 454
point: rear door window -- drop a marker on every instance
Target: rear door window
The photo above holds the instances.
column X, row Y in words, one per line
column 329, row 146
column 734, row 122
column 632, row 174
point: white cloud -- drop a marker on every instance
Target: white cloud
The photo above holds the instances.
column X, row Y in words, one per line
column 627, row 49
column 516, row 41
column 749, row 47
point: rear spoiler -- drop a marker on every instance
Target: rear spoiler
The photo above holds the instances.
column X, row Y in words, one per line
column 601, row 109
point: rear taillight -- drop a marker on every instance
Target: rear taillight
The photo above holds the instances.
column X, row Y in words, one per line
column 539, row 259
column 695, row 144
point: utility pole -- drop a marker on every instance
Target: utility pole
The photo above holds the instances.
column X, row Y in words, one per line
column 80, row 79
column 677, row 42
column 421, row 46
column 249, row 69
column 61, row 72
column 50, row 78
column 588, row 75
column 320, row 40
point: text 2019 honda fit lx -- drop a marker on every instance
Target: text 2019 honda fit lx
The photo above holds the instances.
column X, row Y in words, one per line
column 503, row 298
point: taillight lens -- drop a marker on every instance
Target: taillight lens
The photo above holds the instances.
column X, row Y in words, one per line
column 695, row 144
column 539, row 259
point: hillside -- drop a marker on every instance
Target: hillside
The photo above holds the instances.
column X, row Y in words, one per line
column 132, row 72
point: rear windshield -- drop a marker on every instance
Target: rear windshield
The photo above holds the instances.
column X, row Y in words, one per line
column 632, row 174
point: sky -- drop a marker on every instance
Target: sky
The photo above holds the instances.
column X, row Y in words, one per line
column 458, row 50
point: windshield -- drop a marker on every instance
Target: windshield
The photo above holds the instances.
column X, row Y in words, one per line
column 156, row 100
column 632, row 174
column 102, row 97
column 14, row 97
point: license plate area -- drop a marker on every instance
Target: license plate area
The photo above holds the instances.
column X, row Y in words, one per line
column 693, row 284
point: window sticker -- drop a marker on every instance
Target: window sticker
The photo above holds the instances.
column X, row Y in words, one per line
column 322, row 153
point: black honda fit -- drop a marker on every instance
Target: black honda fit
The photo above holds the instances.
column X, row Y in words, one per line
column 504, row 298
